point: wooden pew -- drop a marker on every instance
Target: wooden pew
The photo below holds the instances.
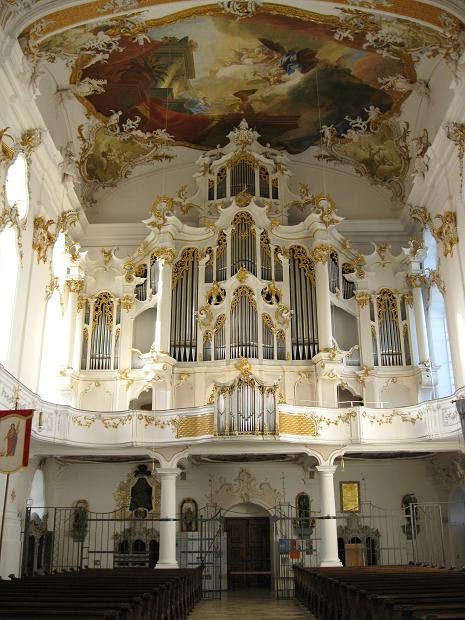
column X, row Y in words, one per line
column 384, row 593
column 97, row 594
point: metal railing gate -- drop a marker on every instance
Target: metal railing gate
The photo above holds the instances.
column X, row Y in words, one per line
column 295, row 542
column 206, row 547
column 69, row 538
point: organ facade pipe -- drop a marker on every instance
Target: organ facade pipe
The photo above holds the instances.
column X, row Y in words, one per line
column 320, row 256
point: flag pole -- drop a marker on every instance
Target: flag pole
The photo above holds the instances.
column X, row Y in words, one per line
column 5, row 498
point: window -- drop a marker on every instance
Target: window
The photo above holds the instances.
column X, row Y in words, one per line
column 9, row 267
column 16, row 185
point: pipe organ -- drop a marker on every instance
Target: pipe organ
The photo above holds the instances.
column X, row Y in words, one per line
column 245, row 283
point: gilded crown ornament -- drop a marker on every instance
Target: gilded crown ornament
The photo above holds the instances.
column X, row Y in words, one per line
column 244, row 367
column 244, row 198
column 242, row 274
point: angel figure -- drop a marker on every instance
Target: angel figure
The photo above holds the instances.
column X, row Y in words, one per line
column 290, row 61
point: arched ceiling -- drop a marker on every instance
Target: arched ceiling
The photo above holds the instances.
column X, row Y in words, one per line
column 135, row 89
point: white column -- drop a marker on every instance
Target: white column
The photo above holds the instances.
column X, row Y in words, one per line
column 320, row 256
column 163, row 321
column 328, row 529
column 74, row 288
column 167, row 557
column 364, row 328
column 126, row 338
column 420, row 324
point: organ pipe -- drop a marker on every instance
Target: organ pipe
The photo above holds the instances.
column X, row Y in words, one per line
column 183, row 345
column 304, row 326
column 243, row 244
column 102, row 331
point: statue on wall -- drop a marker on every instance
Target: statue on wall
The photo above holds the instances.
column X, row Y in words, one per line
column 303, row 521
column 189, row 515
column 79, row 519
column 141, row 493
column 411, row 528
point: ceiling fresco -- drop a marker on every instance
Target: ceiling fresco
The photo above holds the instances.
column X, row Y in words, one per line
column 199, row 77
column 337, row 82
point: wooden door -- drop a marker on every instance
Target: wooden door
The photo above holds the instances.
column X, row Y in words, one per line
column 249, row 563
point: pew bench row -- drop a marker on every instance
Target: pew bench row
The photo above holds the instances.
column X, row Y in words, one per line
column 382, row 593
column 100, row 594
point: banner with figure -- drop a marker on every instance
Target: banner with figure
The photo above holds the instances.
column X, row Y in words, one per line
column 15, row 437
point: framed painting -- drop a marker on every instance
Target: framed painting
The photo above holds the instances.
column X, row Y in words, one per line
column 350, row 496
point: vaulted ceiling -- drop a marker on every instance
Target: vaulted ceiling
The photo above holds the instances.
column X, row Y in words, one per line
column 133, row 90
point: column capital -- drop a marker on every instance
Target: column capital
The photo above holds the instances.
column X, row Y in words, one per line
column 328, row 470
column 165, row 255
column 320, row 253
column 167, row 472
column 75, row 285
column 362, row 298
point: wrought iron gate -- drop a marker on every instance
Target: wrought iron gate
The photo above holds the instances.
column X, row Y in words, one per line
column 206, row 547
column 67, row 538
column 376, row 536
column 373, row 536
column 295, row 540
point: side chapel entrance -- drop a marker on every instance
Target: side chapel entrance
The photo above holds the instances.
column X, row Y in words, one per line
column 249, row 559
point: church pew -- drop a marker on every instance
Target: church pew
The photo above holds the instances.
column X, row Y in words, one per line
column 131, row 594
column 387, row 593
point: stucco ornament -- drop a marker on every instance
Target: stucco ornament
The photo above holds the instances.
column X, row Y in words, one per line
column 245, row 488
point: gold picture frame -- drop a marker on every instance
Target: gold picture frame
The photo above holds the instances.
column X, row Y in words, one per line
column 350, row 496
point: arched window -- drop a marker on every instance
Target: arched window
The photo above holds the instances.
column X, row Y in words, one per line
column 17, row 194
column 54, row 337
column 52, row 358
column 9, row 267
column 16, row 185
column 438, row 336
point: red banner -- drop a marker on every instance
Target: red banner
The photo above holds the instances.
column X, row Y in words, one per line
column 15, row 438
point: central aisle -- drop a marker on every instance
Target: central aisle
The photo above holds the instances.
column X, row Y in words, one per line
column 250, row 605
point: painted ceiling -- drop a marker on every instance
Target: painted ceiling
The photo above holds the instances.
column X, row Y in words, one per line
column 333, row 83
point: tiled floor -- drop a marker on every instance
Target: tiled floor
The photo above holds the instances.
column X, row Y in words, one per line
column 250, row 605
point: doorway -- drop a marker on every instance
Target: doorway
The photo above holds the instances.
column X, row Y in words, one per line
column 249, row 561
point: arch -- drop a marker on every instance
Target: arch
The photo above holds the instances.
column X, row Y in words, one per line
column 142, row 399
column 255, row 508
column 144, row 330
